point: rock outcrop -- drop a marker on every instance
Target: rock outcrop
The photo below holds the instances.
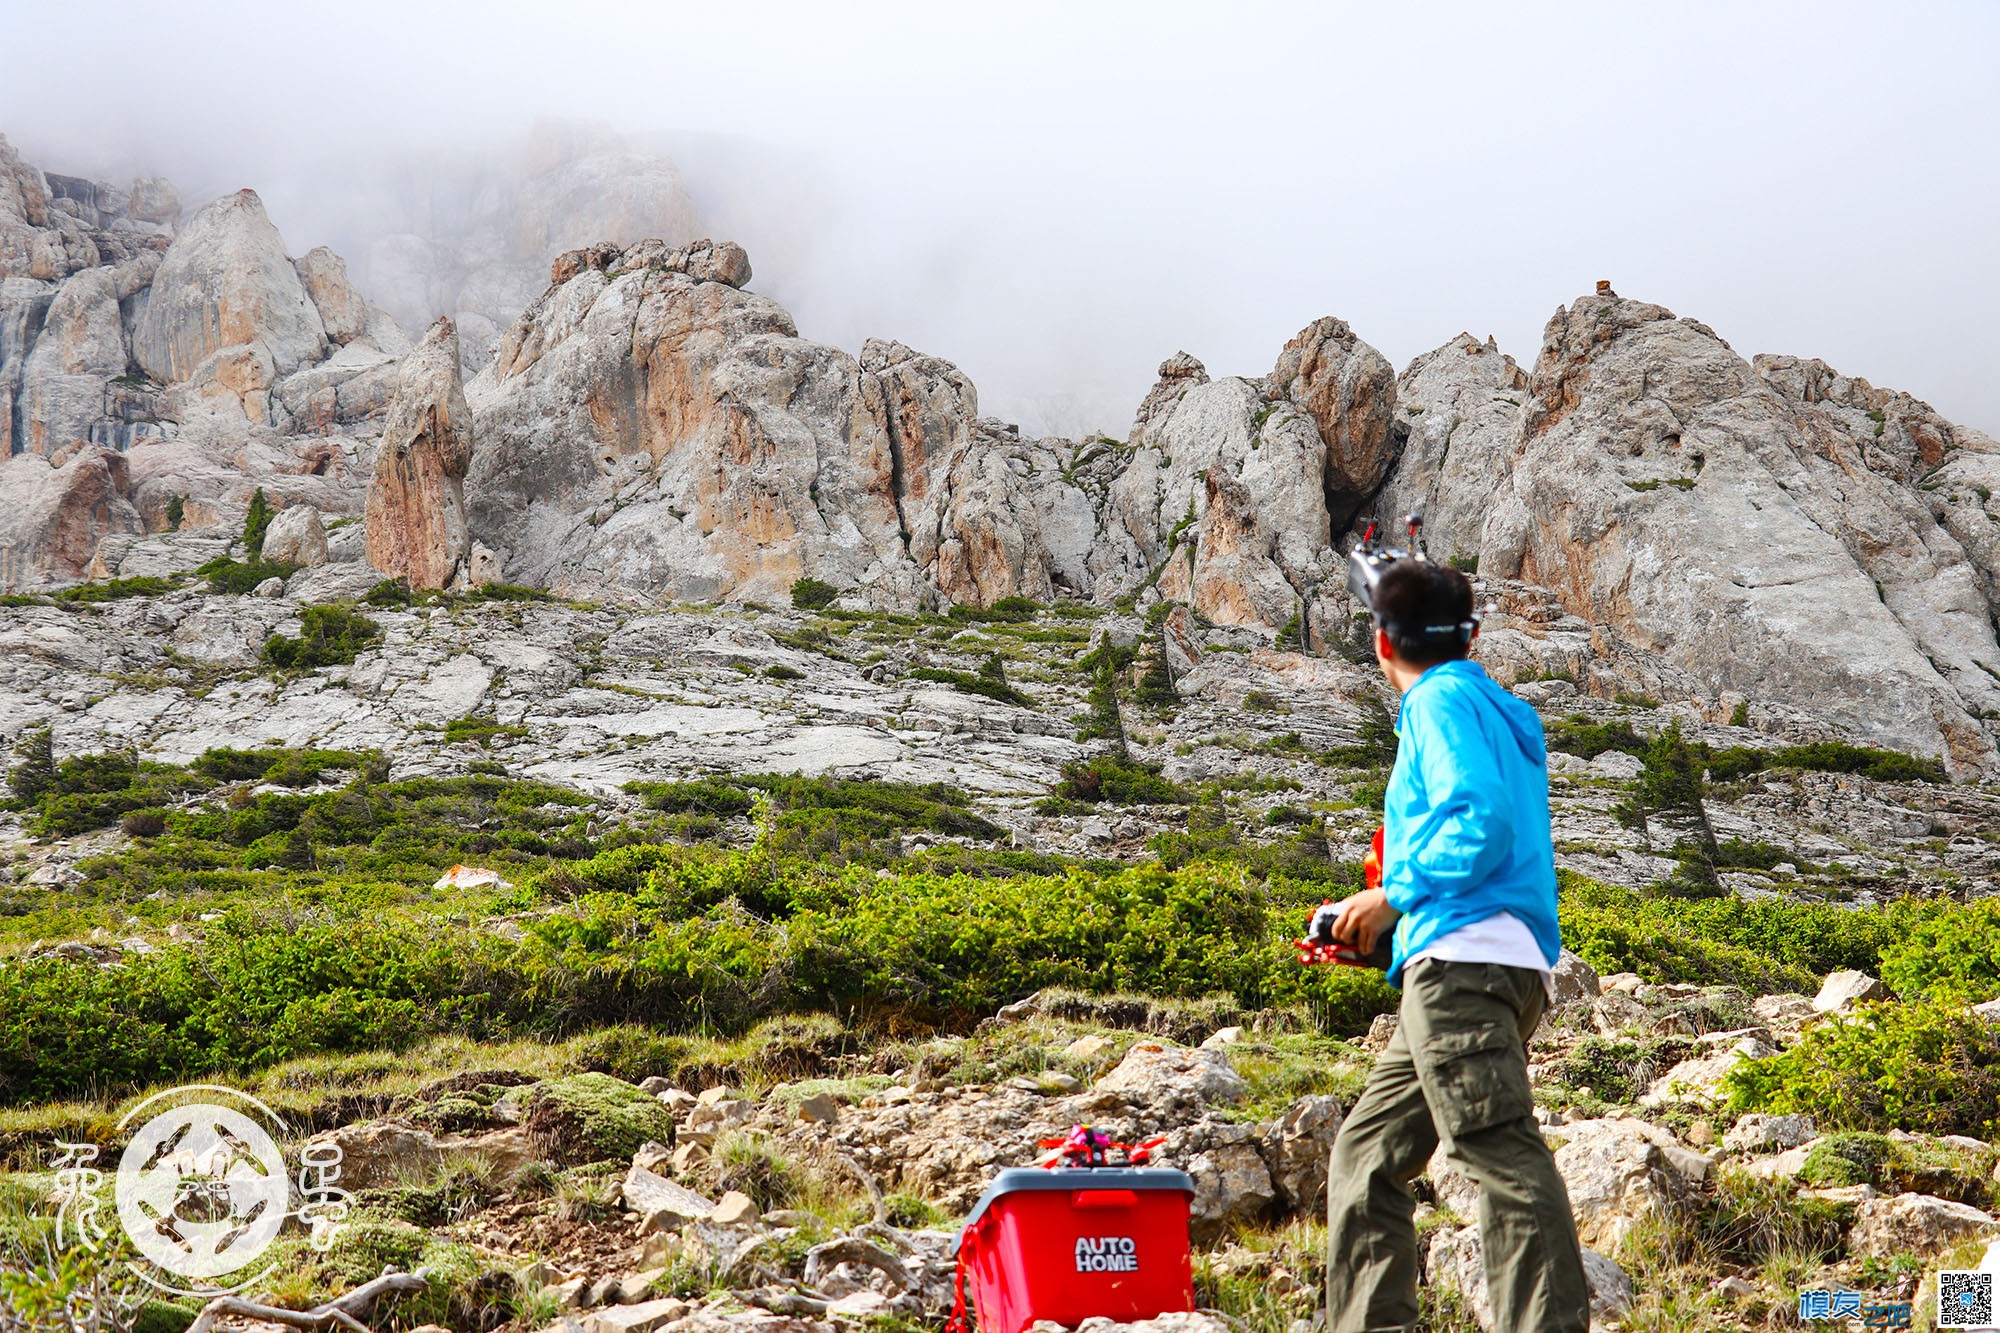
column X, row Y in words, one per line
column 416, row 503
column 226, row 284
column 199, row 357
column 1664, row 489
column 1648, row 512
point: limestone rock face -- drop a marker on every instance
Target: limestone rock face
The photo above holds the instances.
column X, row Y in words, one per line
column 226, row 282
column 65, row 378
column 650, row 431
column 53, row 512
column 416, row 504
column 1226, row 499
column 1348, row 389
column 1662, row 488
column 1461, row 405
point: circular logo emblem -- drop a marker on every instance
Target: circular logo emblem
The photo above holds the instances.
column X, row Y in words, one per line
column 201, row 1187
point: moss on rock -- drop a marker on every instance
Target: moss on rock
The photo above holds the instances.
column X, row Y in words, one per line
column 593, row 1117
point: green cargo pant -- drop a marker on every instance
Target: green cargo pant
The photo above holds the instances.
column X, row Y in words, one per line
column 1457, row 1066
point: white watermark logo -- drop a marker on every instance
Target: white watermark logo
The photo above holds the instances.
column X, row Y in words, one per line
column 201, row 1190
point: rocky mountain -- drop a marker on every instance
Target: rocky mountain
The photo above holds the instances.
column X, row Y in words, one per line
column 1650, row 513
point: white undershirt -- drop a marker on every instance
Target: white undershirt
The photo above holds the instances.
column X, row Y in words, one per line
column 1502, row 938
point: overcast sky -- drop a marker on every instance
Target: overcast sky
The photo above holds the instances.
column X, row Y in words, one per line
column 1058, row 196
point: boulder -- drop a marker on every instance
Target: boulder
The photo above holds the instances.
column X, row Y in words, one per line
column 663, row 1204
column 1616, row 1011
column 416, row 504
column 1765, row 1133
column 1572, row 981
column 342, row 310
column 54, row 512
column 296, row 537
column 1703, row 1079
column 1785, row 1015
column 375, row 1154
column 1621, row 1171
column 1297, row 1148
column 1456, row 1258
column 641, row 1318
column 226, row 282
column 1842, row 990
column 1151, row 1070
column 1913, row 1224
column 735, row 1208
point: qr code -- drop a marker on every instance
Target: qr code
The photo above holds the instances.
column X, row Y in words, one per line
column 1965, row 1299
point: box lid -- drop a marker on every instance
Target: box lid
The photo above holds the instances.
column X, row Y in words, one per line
column 1019, row 1178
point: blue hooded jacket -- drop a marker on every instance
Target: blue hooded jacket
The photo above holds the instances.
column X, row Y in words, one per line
column 1466, row 816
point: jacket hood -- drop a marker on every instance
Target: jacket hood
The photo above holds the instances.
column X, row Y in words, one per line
column 1519, row 718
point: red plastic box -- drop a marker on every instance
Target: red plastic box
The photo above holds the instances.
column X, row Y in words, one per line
column 1069, row 1244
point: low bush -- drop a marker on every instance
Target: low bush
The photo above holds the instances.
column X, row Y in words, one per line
column 328, row 636
column 234, row 576
column 1926, row 1068
column 480, row 730
column 811, row 594
column 1119, row 781
column 1949, row 956
column 967, row 682
column 1006, row 611
column 279, row 764
column 1770, row 944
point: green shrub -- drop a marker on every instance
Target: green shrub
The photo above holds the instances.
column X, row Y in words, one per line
column 36, row 774
column 96, row 791
column 1292, row 634
column 328, row 636
column 1953, row 955
column 390, row 593
column 1926, row 1068
column 779, row 671
column 967, row 683
column 1119, row 781
column 1771, row 944
column 1825, row 757
column 1586, row 739
column 1155, row 686
column 1006, row 611
column 1750, row 855
column 592, row 1117
column 479, row 730
column 114, row 589
column 256, row 522
column 811, row 594
column 506, row 592
column 231, row 576
column 277, row 764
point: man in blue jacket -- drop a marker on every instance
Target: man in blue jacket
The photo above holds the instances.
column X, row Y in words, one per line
column 1469, row 889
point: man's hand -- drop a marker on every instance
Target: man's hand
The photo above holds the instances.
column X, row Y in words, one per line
column 1367, row 915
